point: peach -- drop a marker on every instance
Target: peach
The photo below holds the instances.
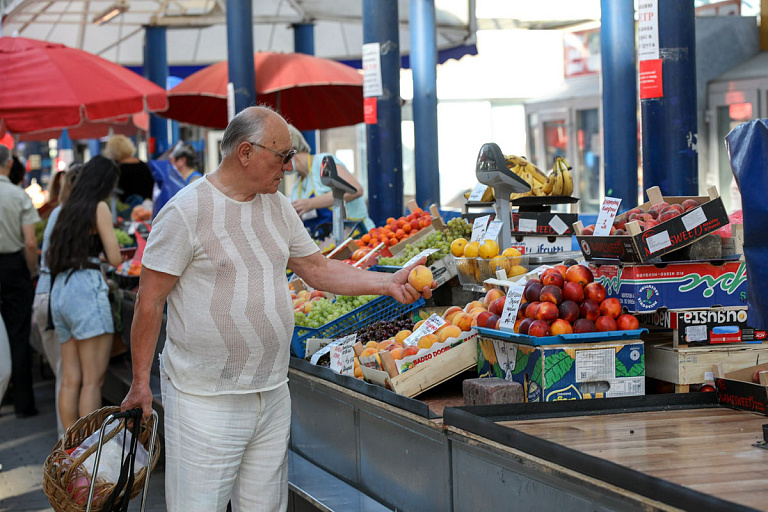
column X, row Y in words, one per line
column 418, row 324
column 427, row 341
column 530, row 311
column 562, row 269
column 303, row 294
column 463, row 321
column 569, row 311
column 689, row 204
column 677, row 207
column 638, row 211
column 650, row 224
column 409, row 351
column 660, row 206
column 553, row 279
column 551, row 293
column 493, row 322
column 372, row 344
column 654, row 213
column 583, row 325
column 756, row 375
column 524, row 325
column 516, row 327
column 668, row 214
column 400, row 336
column 579, row 274
column 496, row 307
column 538, row 328
column 605, row 323
column 561, row 326
column 397, row 353
column 450, row 312
column 299, row 303
column 627, row 322
column 482, row 318
column 590, row 310
column 573, row 291
column 316, row 294
column 368, row 352
column 386, row 345
column 532, row 292
column 472, row 305
column 521, row 310
column 420, row 277
column 595, row 291
column 588, row 231
column 610, row 307
column 476, row 311
column 531, row 282
column 547, row 311
column 492, row 295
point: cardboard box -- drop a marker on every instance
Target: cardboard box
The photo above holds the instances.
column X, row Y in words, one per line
column 531, row 244
column 647, row 288
column 641, row 246
column 566, row 372
column 544, row 221
column 736, row 389
column 706, row 326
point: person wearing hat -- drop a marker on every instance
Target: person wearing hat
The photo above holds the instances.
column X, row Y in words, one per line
column 312, row 200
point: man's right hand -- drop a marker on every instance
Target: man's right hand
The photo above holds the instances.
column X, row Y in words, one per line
column 138, row 396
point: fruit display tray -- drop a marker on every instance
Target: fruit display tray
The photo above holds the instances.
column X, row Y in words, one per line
column 588, row 337
column 381, row 308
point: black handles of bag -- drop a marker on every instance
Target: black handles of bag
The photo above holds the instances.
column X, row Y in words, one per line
column 126, row 479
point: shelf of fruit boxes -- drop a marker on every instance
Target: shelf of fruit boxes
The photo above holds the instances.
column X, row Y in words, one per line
column 380, row 308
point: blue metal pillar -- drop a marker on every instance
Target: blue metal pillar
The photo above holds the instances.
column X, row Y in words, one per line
column 240, row 52
column 670, row 159
column 304, row 42
column 64, row 141
column 385, row 145
column 619, row 93
column 424, row 66
column 156, row 69
column 94, row 147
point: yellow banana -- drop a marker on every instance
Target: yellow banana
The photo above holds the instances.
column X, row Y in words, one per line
column 567, row 183
column 547, row 188
column 557, row 189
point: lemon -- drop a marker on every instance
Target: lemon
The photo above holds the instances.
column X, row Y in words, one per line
column 517, row 270
column 457, row 247
column 513, row 253
column 489, row 249
column 471, row 250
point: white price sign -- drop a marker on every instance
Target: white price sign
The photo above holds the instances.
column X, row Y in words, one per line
column 511, row 305
column 429, row 326
column 343, row 355
column 527, row 225
column 608, row 211
column 696, row 218
column 479, row 227
column 558, row 225
column 494, row 228
column 477, row 192
column 424, row 253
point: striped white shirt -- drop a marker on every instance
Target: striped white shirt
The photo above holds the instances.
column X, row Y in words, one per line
column 230, row 315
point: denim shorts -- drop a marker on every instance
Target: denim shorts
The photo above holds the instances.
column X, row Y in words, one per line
column 80, row 305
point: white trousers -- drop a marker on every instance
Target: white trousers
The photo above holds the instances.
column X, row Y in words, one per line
column 50, row 346
column 5, row 360
column 226, row 447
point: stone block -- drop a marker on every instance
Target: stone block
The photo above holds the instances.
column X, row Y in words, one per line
column 492, row 391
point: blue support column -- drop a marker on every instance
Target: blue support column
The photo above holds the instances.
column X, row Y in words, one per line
column 94, row 147
column 240, row 52
column 156, row 69
column 619, row 79
column 669, row 123
column 304, row 42
column 424, row 66
column 385, row 145
column 64, row 141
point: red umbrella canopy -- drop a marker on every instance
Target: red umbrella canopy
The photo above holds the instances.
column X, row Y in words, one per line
column 310, row 92
column 49, row 86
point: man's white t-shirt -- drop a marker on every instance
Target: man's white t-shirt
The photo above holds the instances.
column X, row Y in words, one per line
column 230, row 315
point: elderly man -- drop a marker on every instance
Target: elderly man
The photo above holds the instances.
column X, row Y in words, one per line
column 18, row 263
column 218, row 252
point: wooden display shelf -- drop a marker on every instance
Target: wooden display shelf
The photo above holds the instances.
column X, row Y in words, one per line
column 684, row 366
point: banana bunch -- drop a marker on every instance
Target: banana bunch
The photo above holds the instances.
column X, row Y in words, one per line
column 531, row 174
column 560, row 180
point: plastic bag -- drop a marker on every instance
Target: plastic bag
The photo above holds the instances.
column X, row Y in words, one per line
column 111, row 454
column 736, row 217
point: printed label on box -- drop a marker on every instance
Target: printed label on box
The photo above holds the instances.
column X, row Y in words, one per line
column 597, row 364
column 477, row 192
column 658, row 242
column 558, row 225
column 695, row 218
column 696, row 333
column 479, row 226
column 527, row 225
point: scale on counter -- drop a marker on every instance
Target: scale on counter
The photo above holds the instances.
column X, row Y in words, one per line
column 492, row 170
column 330, row 178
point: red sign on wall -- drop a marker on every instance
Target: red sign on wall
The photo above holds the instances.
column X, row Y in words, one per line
column 370, row 110
column 651, row 84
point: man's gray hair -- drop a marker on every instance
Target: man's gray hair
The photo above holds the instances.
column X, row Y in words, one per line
column 298, row 142
column 5, row 155
column 248, row 125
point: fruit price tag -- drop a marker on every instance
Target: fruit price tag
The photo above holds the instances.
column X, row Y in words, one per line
column 695, row 218
column 429, row 326
column 494, row 228
column 658, row 242
column 479, row 227
column 511, row 305
column 527, row 225
column 320, row 353
column 558, row 225
column 424, row 253
column 477, row 192
column 343, row 355
column 608, row 211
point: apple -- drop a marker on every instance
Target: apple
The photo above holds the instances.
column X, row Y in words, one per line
column 590, row 310
column 573, row 291
column 610, row 307
column 627, row 322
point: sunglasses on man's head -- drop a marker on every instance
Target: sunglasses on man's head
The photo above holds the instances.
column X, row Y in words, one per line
column 285, row 156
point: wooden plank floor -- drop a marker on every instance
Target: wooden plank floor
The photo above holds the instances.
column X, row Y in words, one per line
column 708, row 450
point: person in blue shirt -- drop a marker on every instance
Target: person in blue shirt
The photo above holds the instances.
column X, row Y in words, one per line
column 312, row 200
column 172, row 175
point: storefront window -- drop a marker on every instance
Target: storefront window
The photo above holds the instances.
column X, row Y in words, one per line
column 587, row 167
column 555, row 141
column 728, row 118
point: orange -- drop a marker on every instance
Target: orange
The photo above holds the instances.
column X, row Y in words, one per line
column 366, row 238
column 390, row 220
column 489, row 249
column 457, row 247
column 472, row 249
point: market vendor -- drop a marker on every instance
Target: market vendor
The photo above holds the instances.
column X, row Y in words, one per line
column 312, row 200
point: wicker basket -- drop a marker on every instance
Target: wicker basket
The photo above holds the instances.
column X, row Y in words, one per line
column 60, row 470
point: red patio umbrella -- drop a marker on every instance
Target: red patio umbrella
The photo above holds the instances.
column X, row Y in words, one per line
column 49, row 86
column 310, row 92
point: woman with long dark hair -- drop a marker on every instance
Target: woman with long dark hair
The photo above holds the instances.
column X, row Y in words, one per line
column 79, row 297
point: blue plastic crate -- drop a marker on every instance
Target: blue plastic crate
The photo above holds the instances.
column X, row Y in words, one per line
column 381, row 308
column 587, row 337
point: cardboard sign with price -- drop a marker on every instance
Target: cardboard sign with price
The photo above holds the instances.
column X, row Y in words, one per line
column 511, row 305
column 608, row 212
column 429, row 326
column 479, row 226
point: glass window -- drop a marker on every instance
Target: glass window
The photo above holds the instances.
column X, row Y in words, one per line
column 587, row 166
column 728, row 118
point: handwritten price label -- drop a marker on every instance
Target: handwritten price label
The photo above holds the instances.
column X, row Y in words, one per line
column 424, row 253
column 479, row 227
column 511, row 306
column 494, row 228
column 608, row 212
column 343, row 355
column 429, row 326
column 477, row 192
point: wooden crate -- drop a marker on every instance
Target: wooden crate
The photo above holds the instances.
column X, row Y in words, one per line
column 684, row 366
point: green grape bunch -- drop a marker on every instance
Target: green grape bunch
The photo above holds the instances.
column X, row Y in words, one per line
column 325, row 311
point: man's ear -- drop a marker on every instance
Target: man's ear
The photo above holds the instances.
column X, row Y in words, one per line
column 244, row 153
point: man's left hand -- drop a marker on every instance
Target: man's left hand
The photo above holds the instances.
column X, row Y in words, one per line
column 401, row 290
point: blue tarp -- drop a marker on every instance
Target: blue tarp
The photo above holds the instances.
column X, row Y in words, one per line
column 748, row 150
